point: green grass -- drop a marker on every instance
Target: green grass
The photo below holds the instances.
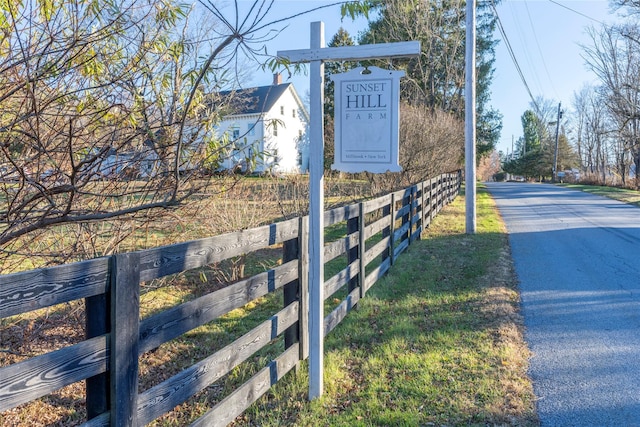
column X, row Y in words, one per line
column 436, row 342
column 622, row 194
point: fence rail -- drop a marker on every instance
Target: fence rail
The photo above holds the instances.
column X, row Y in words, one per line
column 108, row 359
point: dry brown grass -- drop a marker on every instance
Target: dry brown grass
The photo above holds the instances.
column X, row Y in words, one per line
column 499, row 306
column 226, row 204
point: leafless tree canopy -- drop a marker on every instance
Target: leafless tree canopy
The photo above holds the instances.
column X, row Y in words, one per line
column 610, row 114
column 432, row 142
column 96, row 119
column 108, row 110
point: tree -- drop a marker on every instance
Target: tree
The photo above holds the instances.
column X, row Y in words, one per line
column 105, row 107
column 96, row 95
column 530, row 165
column 530, row 158
column 597, row 130
column 594, row 127
column 536, row 149
column 546, row 111
column 341, row 38
column 531, row 133
column 567, row 155
column 436, row 77
column 490, row 166
column 615, row 58
column 580, row 107
column 432, row 142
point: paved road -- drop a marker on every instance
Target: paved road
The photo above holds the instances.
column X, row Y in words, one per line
column 577, row 257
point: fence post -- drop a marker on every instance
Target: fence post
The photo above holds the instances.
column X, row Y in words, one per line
column 406, row 218
column 413, row 211
column 125, row 326
column 303, row 279
column 453, row 185
column 436, row 194
column 352, row 253
column 392, row 229
column 97, row 322
column 448, row 194
column 421, row 209
column 409, row 216
column 362, row 249
column 422, row 226
column 431, row 207
column 446, row 189
column 290, row 251
column 439, row 195
column 386, row 212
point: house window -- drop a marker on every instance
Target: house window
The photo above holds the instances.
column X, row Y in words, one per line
column 282, row 110
column 293, row 113
column 275, row 128
column 251, row 129
column 235, row 133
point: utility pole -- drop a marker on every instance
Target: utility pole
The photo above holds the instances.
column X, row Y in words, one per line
column 555, row 156
column 470, row 118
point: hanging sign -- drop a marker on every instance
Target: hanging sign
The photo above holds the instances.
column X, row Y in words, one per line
column 367, row 117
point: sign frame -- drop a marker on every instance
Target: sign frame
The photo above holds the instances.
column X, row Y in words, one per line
column 367, row 120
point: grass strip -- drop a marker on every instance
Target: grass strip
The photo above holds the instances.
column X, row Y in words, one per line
column 438, row 341
column 621, row 194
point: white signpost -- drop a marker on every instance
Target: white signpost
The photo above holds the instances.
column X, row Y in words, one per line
column 316, row 56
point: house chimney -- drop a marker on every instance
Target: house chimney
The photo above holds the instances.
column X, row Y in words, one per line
column 277, row 79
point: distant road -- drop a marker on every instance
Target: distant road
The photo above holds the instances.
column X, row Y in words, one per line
column 577, row 257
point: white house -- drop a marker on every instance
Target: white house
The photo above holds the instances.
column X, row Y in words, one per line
column 268, row 124
column 142, row 163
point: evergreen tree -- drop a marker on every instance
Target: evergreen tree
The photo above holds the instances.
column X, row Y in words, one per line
column 341, row 38
column 567, row 155
column 531, row 135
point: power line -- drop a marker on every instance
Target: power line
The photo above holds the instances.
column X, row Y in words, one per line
column 535, row 38
column 523, row 41
column 511, row 51
column 575, row 11
column 512, row 54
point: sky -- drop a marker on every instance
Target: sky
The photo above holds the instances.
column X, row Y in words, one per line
column 546, row 39
column 545, row 36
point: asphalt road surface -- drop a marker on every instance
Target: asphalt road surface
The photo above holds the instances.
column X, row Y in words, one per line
column 577, row 257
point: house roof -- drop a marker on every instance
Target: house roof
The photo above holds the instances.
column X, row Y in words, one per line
column 256, row 100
